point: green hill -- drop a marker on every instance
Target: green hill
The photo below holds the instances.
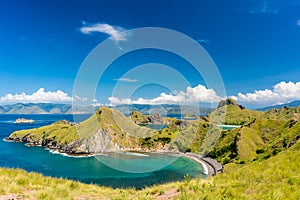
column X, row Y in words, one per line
column 261, row 157
column 274, row 178
column 284, row 113
column 260, row 139
column 105, row 130
column 230, row 112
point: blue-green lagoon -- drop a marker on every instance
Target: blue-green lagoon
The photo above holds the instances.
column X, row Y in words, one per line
column 91, row 169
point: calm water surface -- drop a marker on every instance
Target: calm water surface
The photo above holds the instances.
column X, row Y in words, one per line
column 88, row 170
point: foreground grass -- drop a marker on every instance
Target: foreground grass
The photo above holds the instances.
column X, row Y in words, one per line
column 18, row 183
column 275, row 178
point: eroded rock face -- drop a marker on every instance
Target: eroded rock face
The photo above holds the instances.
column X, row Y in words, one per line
column 230, row 101
column 156, row 118
column 65, row 122
column 97, row 143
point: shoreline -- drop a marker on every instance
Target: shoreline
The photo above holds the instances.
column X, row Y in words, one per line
column 207, row 167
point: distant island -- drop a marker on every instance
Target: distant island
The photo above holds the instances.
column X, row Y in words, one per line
column 53, row 108
column 23, row 120
column 256, row 144
column 169, row 109
column 108, row 130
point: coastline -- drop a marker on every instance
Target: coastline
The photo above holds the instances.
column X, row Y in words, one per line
column 208, row 168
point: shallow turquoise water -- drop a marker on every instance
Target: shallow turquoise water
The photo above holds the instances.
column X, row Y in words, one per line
column 138, row 168
column 155, row 126
column 228, row 127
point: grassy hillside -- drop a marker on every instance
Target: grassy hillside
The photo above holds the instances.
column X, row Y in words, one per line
column 62, row 132
column 229, row 112
column 261, row 158
column 275, row 178
column 260, row 139
column 284, row 113
column 106, row 129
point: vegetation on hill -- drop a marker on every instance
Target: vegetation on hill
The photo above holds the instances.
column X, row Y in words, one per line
column 260, row 139
column 139, row 118
column 105, row 130
column 261, row 157
column 275, row 178
column 285, row 113
column 231, row 113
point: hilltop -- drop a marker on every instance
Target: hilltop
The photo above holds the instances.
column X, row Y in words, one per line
column 261, row 157
column 230, row 112
column 109, row 130
column 261, row 138
column 106, row 130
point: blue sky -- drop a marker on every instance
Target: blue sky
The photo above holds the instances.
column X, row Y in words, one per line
column 255, row 45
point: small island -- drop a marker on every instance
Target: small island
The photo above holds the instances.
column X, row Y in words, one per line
column 23, row 120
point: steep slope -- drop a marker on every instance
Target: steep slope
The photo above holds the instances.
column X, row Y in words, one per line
column 274, row 178
column 260, row 139
column 106, row 130
column 284, row 113
column 230, row 112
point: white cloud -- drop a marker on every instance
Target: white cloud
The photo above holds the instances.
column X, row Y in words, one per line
column 97, row 104
column 298, row 22
column 192, row 95
column 282, row 92
column 126, row 80
column 78, row 98
column 117, row 33
column 37, row 97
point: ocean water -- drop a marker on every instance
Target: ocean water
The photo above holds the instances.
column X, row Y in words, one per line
column 103, row 169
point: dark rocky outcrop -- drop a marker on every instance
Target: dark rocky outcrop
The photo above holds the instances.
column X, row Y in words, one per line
column 229, row 101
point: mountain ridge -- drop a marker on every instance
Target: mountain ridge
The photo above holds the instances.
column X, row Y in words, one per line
column 290, row 104
column 56, row 108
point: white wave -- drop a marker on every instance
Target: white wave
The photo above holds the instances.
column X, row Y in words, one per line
column 134, row 154
column 204, row 166
column 5, row 140
column 75, row 156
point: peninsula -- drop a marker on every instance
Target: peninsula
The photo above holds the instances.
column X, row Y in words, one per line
column 256, row 135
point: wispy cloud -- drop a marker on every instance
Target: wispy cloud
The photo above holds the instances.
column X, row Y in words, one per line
column 128, row 80
column 266, row 7
column 203, row 41
column 115, row 32
column 78, row 98
column 298, row 22
column 192, row 95
column 270, row 6
column 40, row 96
column 282, row 92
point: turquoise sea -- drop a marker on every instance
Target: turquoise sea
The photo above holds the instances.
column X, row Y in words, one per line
column 91, row 169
